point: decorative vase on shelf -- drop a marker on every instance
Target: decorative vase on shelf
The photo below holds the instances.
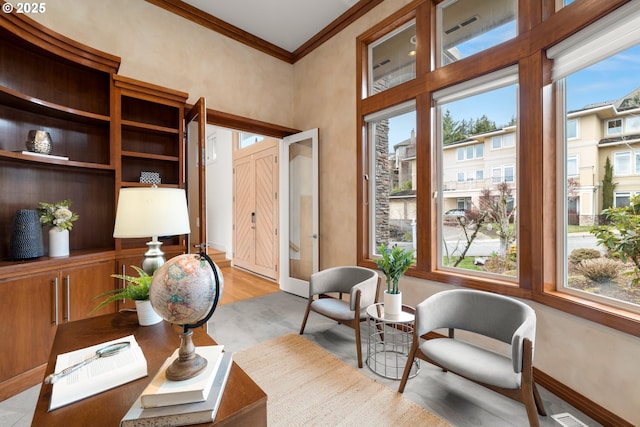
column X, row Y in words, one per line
column 392, row 305
column 26, row 236
column 39, row 141
column 58, row 242
column 147, row 316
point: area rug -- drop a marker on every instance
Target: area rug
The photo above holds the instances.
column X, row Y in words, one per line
column 308, row 386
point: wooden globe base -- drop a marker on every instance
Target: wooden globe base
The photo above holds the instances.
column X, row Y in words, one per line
column 188, row 364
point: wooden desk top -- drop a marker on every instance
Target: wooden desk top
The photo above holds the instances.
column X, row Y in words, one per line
column 243, row 402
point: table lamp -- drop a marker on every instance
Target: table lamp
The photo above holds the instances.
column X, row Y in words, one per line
column 151, row 212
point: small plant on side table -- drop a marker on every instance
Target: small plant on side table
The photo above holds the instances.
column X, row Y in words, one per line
column 136, row 288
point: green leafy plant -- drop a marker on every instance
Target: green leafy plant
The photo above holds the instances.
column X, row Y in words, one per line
column 394, row 262
column 136, row 288
column 622, row 236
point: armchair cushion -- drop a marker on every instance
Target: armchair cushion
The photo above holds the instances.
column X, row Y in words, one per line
column 472, row 362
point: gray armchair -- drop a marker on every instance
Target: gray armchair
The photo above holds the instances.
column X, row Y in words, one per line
column 490, row 315
column 362, row 286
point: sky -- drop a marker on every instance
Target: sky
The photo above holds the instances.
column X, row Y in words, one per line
column 608, row 80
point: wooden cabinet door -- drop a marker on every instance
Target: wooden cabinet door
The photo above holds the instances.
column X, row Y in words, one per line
column 27, row 304
column 80, row 285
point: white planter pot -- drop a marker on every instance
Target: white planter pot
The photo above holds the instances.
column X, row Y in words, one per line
column 147, row 316
column 58, row 242
column 392, row 305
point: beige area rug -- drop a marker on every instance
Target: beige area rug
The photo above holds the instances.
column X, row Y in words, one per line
column 308, row 386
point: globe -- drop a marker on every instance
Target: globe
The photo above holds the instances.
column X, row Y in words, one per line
column 183, row 290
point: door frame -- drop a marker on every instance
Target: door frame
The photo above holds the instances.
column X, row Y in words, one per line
column 289, row 284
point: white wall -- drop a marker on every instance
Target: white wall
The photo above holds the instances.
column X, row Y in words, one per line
column 220, row 189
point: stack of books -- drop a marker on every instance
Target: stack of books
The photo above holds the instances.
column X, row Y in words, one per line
column 177, row 403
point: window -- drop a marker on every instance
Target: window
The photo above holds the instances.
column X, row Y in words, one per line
column 592, row 55
column 614, row 127
column 470, row 152
column 632, row 124
column 248, row 139
column 393, row 188
column 503, row 141
column 466, row 27
column 392, row 60
column 492, row 210
column 610, row 44
column 621, row 163
column 572, row 166
column 621, row 199
column 572, row 128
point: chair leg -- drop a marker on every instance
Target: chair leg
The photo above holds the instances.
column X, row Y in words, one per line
column 358, row 344
column 538, row 400
column 407, row 368
column 306, row 316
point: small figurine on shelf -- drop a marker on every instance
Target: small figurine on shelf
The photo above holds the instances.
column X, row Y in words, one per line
column 60, row 218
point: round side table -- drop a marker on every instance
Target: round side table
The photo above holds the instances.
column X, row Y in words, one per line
column 389, row 342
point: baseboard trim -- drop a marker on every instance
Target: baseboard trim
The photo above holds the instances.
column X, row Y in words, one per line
column 572, row 397
column 21, row 382
column 578, row 401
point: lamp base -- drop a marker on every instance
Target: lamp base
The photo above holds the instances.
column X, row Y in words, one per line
column 153, row 258
column 188, row 364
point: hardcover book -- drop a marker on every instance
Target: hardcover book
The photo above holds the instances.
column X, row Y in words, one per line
column 164, row 392
column 186, row 413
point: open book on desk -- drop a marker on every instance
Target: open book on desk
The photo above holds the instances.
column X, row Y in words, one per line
column 100, row 375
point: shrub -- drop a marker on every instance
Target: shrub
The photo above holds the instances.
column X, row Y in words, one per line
column 579, row 255
column 499, row 265
column 599, row 269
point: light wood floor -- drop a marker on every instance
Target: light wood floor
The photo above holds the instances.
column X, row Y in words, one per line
column 240, row 285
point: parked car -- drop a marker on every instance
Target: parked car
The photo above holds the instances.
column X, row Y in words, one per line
column 452, row 215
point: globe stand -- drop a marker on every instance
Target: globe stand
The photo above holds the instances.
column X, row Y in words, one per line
column 189, row 364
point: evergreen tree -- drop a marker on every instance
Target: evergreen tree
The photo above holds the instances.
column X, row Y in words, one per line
column 607, row 185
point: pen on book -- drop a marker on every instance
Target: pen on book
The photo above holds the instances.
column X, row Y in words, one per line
column 107, row 351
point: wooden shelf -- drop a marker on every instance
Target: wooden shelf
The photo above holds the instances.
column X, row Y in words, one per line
column 146, row 126
column 139, row 155
column 22, row 101
column 51, row 161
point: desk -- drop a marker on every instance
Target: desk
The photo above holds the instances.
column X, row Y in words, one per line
column 243, row 402
column 389, row 341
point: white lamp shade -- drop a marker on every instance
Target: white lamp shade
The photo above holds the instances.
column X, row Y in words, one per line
column 151, row 211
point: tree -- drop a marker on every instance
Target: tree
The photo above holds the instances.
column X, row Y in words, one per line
column 607, row 185
column 622, row 236
column 499, row 210
column 482, row 125
column 452, row 130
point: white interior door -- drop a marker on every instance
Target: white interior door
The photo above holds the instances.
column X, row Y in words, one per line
column 299, row 242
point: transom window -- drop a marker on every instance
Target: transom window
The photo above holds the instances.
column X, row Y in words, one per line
column 466, row 27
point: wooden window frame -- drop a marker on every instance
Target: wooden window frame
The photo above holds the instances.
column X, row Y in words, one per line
column 540, row 26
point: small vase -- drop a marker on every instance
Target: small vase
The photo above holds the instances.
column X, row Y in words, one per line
column 26, row 236
column 392, row 305
column 147, row 316
column 58, row 242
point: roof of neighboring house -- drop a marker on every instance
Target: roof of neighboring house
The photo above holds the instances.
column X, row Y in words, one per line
column 620, row 139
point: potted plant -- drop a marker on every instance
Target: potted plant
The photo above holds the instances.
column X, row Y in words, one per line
column 60, row 218
column 393, row 262
column 136, row 289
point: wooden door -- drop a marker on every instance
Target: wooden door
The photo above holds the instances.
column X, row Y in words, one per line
column 255, row 231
